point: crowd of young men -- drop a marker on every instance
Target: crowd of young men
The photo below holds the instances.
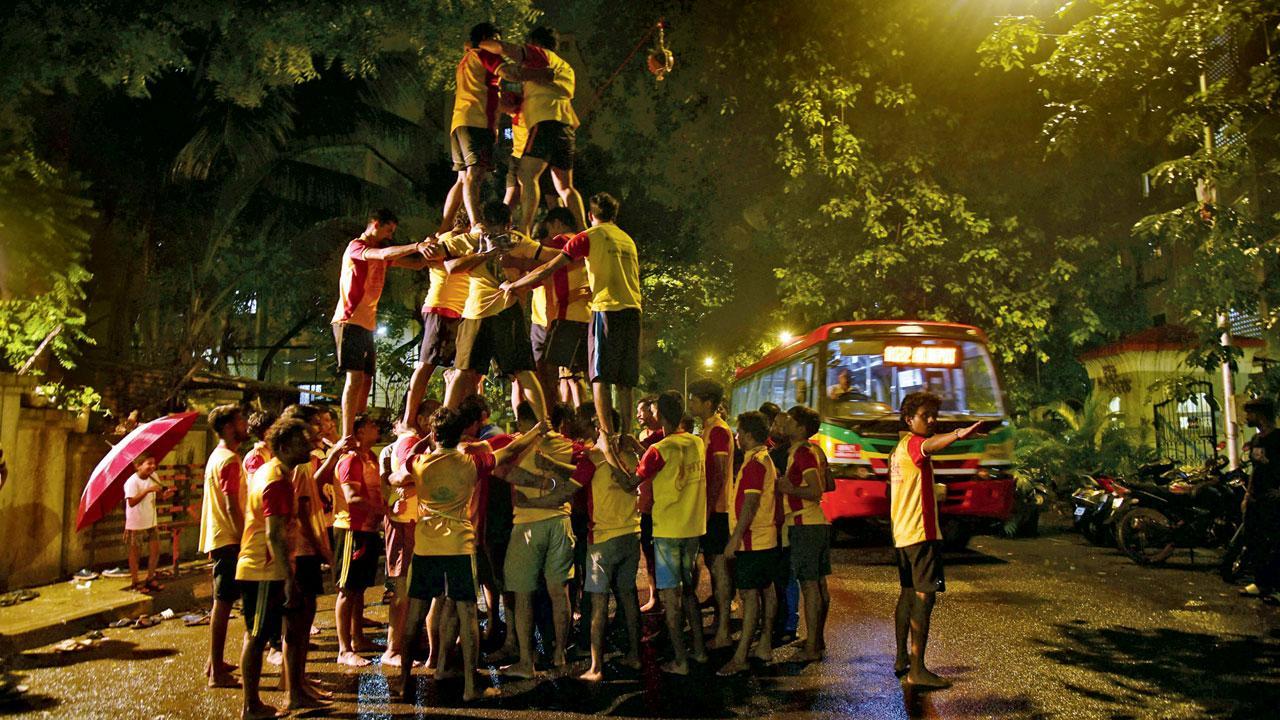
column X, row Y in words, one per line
column 557, row 514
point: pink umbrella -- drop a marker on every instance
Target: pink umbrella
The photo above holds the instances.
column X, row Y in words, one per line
column 106, row 485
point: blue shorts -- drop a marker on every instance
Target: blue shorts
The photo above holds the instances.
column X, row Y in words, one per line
column 676, row 560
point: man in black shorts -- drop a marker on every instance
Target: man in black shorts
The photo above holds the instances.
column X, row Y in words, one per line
column 493, row 328
column 473, row 127
column 441, row 315
column 547, row 111
column 221, row 526
column 568, row 317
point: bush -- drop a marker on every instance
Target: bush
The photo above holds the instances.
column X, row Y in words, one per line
column 1061, row 442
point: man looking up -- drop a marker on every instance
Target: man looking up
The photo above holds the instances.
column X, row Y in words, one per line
column 672, row 472
column 547, row 111
column 613, row 344
column 364, row 270
column 917, row 537
column 493, row 328
column 705, row 397
column 221, row 525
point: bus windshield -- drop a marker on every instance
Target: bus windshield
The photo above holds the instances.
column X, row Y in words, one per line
column 870, row 377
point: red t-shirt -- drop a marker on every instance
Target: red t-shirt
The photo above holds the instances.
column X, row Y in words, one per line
column 719, row 440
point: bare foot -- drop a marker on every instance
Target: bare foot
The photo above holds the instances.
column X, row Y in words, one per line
column 351, row 659
column 364, row 646
column 315, row 692
column 808, row 655
column 733, row 667
column 471, row 695
column 719, row 643
column 592, row 675
column 275, row 657
column 675, row 668
column 502, row 655
column 224, row 680
column 519, row 671
column 315, row 630
column 306, row 702
column 764, row 655
column 699, row 658
column 259, row 712
column 901, row 665
column 924, row 679
column 390, row 659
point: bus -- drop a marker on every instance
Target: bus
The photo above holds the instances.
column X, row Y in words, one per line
column 855, row 374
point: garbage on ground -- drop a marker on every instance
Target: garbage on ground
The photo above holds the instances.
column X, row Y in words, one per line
column 18, row 596
column 116, row 572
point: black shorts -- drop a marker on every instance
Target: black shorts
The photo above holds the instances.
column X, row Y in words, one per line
column 225, row 585
column 553, row 142
column 782, row 576
column 567, row 345
column 306, row 570
column 471, row 146
column 920, row 567
column 613, row 347
column 717, row 536
column 810, row 552
column 439, row 339
column 754, row 569
column 646, row 532
column 355, row 559
column 356, row 350
column 501, row 338
column 452, row 576
column 263, row 609
column 538, row 341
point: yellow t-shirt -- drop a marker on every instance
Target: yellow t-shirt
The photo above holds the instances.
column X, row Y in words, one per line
column 270, row 495
column 803, row 511
column 757, row 476
column 913, row 508
column 674, row 467
column 558, row 448
column 220, row 525
column 445, row 481
column 447, row 293
column 484, row 299
column 613, row 266
column 548, row 101
column 565, row 299
column 305, row 486
column 611, row 509
column 475, row 99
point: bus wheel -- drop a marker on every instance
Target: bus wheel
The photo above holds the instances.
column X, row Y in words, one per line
column 956, row 534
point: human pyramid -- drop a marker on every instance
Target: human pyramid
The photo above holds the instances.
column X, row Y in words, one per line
column 468, row 512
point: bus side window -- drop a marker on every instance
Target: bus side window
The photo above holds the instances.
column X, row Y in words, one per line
column 803, row 381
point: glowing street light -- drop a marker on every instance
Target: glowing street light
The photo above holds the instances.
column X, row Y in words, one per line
column 785, row 337
column 708, row 362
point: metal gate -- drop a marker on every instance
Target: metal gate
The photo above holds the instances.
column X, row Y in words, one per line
column 1187, row 429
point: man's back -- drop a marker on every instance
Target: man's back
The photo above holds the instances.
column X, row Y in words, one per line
column 675, row 466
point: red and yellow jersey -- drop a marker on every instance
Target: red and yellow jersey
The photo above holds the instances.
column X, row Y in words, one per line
column 673, row 469
column 718, row 438
column 475, row 99
column 913, row 508
column 360, row 286
column 445, row 480
column 568, row 292
column 611, row 509
column 270, row 495
column 613, row 266
column 402, row 502
column 484, row 298
column 758, row 477
column 255, row 458
column 305, row 487
column 548, row 101
column 556, row 447
column 357, row 471
column 804, row 467
column 447, row 293
column 224, row 487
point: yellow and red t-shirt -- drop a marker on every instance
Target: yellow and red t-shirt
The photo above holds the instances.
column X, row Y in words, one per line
column 718, row 438
column 220, row 524
column 305, row 486
column 803, row 511
column 447, row 293
column 475, row 99
column 360, row 286
column 446, row 479
column 255, row 458
column 611, row 509
column 613, row 266
column 913, row 508
column 645, row 503
column 270, row 495
column 556, row 447
column 566, row 299
column 678, row 490
column 358, row 471
column 484, row 298
column 548, row 101
column 758, row 477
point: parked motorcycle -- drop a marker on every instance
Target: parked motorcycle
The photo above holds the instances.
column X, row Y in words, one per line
column 1098, row 501
column 1201, row 509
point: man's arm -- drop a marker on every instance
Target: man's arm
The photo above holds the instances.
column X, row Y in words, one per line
column 517, row 447
column 511, row 51
column 394, row 252
column 937, row 443
column 750, row 504
column 539, row 276
column 309, row 532
column 324, row 473
column 811, row 488
column 562, row 494
column 519, row 72
column 276, row 525
column 466, row 262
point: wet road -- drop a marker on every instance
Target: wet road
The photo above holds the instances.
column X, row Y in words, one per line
column 1033, row 628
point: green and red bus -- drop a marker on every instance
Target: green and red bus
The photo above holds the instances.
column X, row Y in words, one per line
column 855, row 374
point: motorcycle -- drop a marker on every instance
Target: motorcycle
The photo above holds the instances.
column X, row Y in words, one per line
column 1199, row 509
column 1100, row 498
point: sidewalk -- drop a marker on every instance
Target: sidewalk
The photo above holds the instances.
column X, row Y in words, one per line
column 63, row 610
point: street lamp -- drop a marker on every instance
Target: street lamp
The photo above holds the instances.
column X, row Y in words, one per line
column 708, row 363
column 785, row 337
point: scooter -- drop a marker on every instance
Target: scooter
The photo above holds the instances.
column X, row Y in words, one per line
column 1201, row 509
column 1092, row 503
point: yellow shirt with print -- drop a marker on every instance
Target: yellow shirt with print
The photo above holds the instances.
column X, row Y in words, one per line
column 484, row 298
column 219, row 524
column 613, row 267
column 679, row 488
column 445, row 481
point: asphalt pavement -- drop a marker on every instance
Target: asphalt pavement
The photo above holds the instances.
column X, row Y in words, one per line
column 1048, row 627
